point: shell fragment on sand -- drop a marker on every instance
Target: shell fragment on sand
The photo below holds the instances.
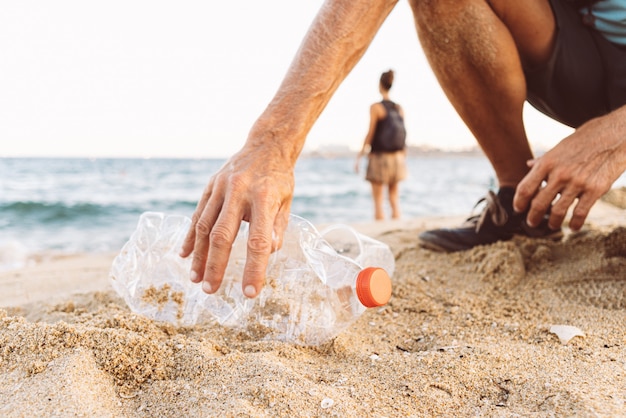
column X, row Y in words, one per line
column 566, row 332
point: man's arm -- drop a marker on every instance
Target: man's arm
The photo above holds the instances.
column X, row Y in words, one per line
column 256, row 184
column 578, row 170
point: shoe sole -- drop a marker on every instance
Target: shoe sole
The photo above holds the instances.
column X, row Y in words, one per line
column 554, row 236
column 434, row 247
column 451, row 247
column 437, row 243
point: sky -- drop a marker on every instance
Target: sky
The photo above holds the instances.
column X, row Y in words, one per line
column 160, row 78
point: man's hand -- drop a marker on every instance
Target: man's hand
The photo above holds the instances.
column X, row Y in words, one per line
column 255, row 186
column 577, row 171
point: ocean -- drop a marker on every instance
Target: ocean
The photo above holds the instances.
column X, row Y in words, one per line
column 70, row 205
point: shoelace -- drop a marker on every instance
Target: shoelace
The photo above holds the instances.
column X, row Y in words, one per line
column 493, row 207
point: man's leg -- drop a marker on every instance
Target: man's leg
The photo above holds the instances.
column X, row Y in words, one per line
column 476, row 49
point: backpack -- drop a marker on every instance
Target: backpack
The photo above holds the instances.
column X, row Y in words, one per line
column 390, row 133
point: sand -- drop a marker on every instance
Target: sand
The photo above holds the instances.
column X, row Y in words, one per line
column 465, row 334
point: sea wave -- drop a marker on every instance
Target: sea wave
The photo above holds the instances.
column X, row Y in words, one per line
column 54, row 212
column 81, row 205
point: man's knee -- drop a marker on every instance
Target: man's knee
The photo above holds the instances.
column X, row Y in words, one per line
column 531, row 24
column 443, row 25
column 454, row 27
column 429, row 13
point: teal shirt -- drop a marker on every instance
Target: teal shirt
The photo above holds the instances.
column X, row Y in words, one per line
column 610, row 19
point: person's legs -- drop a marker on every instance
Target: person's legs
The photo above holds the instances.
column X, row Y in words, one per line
column 492, row 55
column 476, row 49
column 394, row 200
column 377, row 194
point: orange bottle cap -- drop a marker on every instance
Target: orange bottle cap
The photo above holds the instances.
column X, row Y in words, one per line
column 373, row 287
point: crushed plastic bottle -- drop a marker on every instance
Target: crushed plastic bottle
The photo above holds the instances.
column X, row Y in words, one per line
column 317, row 284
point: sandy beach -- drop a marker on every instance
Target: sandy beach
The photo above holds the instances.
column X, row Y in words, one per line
column 477, row 333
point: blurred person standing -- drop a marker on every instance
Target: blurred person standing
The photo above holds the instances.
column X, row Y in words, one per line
column 386, row 140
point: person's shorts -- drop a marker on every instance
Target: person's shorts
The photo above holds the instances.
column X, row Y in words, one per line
column 386, row 167
column 585, row 76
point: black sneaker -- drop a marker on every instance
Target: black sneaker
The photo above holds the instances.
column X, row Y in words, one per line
column 497, row 222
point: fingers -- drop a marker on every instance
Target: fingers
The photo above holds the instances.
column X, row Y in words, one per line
column 219, row 240
column 215, row 231
column 542, row 191
column 203, row 228
column 259, row 193
column 557, row 193
column 528, row 187
column 559, row 208
column 280, row 226
column 210, row 238
column 578, row 170
column 259, row 247
column 582, row 205
column 559, row 204
column 580, row 212
column 265, row 235
column 190, row 239
column 540, row 204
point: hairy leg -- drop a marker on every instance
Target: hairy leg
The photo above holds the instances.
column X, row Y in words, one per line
column 476, row 49
column 394, row 200
column 377, row 193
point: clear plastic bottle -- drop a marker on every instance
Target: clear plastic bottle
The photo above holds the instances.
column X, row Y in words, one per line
column 317, row 284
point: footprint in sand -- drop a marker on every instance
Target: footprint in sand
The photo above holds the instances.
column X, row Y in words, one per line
column 601, row 277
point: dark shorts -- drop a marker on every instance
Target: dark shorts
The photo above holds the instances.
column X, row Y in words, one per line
column 586, row 75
